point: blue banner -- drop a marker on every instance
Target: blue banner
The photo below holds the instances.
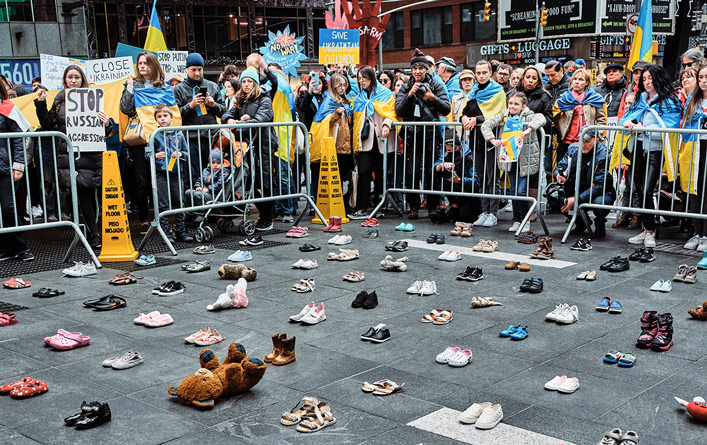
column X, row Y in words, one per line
column 20, row 71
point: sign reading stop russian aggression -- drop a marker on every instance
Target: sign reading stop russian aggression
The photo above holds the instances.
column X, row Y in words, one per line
column 83, row 127
column 285, row 49
column 339, row 46
column 566, row 18
column 109, row 70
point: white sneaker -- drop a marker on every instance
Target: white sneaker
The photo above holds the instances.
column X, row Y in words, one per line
column 568, row 316
column 515, row 226
column 37, row 211
column 638, row 239
column 480, row 220
column 509, row 207
column 662, row 286
column 489, row 417
column 569, row 386
column 428, row 288
column 443, row 357
column 454, row 256
column 490, row 221
column 128, row 360
column 650, row 240
column 334, row 239
column 315, row 315
column 305, row 310
column 552, row 316
column 80, row 269
column 702, row 246
column 298, row 264
column 444, row 255
column 693, row 242
column 415, row 287
column 471, row 414
column 343, row 240
column 460, row 358
column 554, row 384
column 309, row 264
column 526, row 227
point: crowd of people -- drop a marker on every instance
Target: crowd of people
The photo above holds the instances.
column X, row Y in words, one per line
column 358, row 108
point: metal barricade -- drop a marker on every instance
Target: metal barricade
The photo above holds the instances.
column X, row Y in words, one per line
column 259, row 173
column 645, row 152
column 37, row 196
column 413, row 169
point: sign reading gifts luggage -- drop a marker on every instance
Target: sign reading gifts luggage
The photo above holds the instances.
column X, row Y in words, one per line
column 83, row 127
column 108, row 70
column 52, row 68
column 339, row 46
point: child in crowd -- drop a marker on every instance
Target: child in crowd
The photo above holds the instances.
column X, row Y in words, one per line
column 527, row 162
column 171, row 150
column 212, row 180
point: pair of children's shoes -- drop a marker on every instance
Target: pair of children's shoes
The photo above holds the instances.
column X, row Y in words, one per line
column 515, row 332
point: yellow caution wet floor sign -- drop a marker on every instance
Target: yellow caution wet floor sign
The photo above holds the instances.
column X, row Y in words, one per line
column 117, row 243
column 330, row 196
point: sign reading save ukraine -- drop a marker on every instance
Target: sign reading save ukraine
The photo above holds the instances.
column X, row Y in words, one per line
column 339, row 46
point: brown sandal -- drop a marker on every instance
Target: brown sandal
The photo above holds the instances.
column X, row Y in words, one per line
column 123, row 278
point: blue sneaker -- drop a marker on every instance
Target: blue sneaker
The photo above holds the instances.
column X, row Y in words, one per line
column 240, row 255
column 703, row 262
column 145, row 260
column 520, row 334
column 400, row 226
column 510, row 331
column 604, row 304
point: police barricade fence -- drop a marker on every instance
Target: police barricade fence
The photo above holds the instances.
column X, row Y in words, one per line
column 40, row 199
column 648, row 171
column 418, row 168
column 260, row 170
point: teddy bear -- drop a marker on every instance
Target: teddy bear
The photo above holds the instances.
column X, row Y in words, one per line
column 235, row 375
column 700, row 312
column 236, row 271
column 233, row 297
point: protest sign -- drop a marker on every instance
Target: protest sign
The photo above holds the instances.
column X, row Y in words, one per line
column 83, row 127
column 123, row 50
column 173, row 62
column 108, row 70
column 53, row 67
column 339, row 46
column 284, row 49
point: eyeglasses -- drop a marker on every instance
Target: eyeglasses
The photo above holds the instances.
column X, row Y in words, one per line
column 687, row 65
column 385, row 80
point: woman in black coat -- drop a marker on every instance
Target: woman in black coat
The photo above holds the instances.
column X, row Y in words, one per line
column 88, row 166
column 254, row 107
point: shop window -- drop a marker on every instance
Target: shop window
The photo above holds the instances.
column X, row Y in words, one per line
column 431, row 26
column 44, row 10
column 394, row 36
column 473, row 26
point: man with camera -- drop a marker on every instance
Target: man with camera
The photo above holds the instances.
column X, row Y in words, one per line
column 422, row 99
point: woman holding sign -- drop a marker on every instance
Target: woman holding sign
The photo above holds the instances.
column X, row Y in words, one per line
column 88, row 166
column 149, row 74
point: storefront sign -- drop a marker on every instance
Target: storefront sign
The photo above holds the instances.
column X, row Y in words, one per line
column 52, row 69
column 616, row 13
column 83, row 127
column 285, row 49
column 339, row 46
column 109, row 70
column 566, row 18
column 20, row 71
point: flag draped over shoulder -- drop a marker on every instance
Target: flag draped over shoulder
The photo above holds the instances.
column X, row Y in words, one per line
column 491, row 100
column 568, row 101
column 689, row 154
column 642, row 43
column 146, row 99
column 453, row 86
column 320, row 125
column 380, row 100
column 10, row 111
column 283, row 105
column 511, row 137
column 155, row 39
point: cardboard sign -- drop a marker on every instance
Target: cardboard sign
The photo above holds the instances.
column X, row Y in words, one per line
column 83, row 127
column 108, row 70
column 173, row 62
column 339, row 46
column 52, row 68
column 285, row 49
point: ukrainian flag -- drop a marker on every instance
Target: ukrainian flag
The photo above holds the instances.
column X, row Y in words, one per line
column 512, row 137
column 146, row 99
column 321, row 126
column 689, row 154
column 283, row 105
column 155, row 39
column 642, row 43
column 380, row 100
column 491, row 100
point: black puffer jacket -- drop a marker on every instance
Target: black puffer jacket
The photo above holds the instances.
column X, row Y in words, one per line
column 184, row 93
column 429, row 111
column 89, row 166
column 9, row 126
column 556, row 91
column 539, row 101
column 612, row 95
column 259, row 110
column 308, row 109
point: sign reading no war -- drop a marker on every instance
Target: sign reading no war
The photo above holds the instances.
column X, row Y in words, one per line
column 339, row 46
column 83, row 127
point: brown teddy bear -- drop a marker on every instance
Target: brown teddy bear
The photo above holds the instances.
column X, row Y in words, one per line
column 236, row 375
column 700, row 312
column 236, row 271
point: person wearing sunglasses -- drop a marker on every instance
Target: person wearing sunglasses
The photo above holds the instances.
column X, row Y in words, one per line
column 691, row 58
column 387, row 79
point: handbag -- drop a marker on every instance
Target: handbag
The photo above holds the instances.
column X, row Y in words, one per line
column 365, row 130
column 135, row 132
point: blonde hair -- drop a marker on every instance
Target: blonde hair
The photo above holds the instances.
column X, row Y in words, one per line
column 587, row 76
column 336, row 81
column 242, row 97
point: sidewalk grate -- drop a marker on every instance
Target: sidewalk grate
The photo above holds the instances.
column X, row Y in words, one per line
column 9, row 307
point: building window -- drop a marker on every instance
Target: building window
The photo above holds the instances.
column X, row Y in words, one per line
column 431, row 26
column 44, row 10
column 473, row 26
column 19, row 10
column 394, row 36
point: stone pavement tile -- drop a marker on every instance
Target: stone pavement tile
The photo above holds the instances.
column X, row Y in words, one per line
column 399, row 407
column 595, row 396
column 256, row 344
column 14, row 363
column 32, row 321
column 263, row 394
column 131, row 422
column 430, row 388
column 405, row 435
column 263, row 426
column 210, row 436
column 559, row 423
column 687, row 383
column 65, row 393
column 12, row 437
column 657, row 418
column 387, row 307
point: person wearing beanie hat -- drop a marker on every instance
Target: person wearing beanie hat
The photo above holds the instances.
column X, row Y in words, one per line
column 250, row 73
column 267, row 80
column 212, row 179
column 447, row 72
column 421, row 99
column 200, row 103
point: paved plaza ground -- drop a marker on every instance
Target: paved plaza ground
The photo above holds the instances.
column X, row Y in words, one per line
column 332, row 361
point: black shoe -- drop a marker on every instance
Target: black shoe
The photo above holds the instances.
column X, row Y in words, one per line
column 171, row 289
column 599, row 227
column 647, row 256
column 619, row 265
column 263, row 224
column 360, row 298
column 309, row 248
column 185, row 237
column 380, row 336
column 579, row 228
column 536, row 285
column 525, row 285
column 254, row 240
column 609, row 263
column 8, row 255
column 86, row 408
column 371, row 301
column 582, row 245
column 100, row 416
column 637, row 254
column 25, row 256
column 466, row 274
column 371, row 331
column 476, row 274
column 163, row 287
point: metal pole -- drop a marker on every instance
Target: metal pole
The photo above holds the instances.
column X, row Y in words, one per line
column 380, row 56
column 537, row 31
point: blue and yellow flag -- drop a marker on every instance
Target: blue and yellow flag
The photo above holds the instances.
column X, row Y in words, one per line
column 453, row 86
column 380, row 100
column 155, row 39
column 642, row 43
column 283, row 105
column 321, row 124
column 512, row 137
column 567, row 101
column 146, row 99
column 491, row 100
column 689, row 154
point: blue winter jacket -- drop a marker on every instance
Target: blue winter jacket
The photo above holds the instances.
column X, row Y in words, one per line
column 469, row 178
column 212, row 181
column 170, row 142
column 591, row 181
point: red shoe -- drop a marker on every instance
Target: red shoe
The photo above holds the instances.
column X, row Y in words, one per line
column 330, row 225
column 370, row 222
column 33, row 388
column 5, row 389
column 7, row 319
column 336, row 224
